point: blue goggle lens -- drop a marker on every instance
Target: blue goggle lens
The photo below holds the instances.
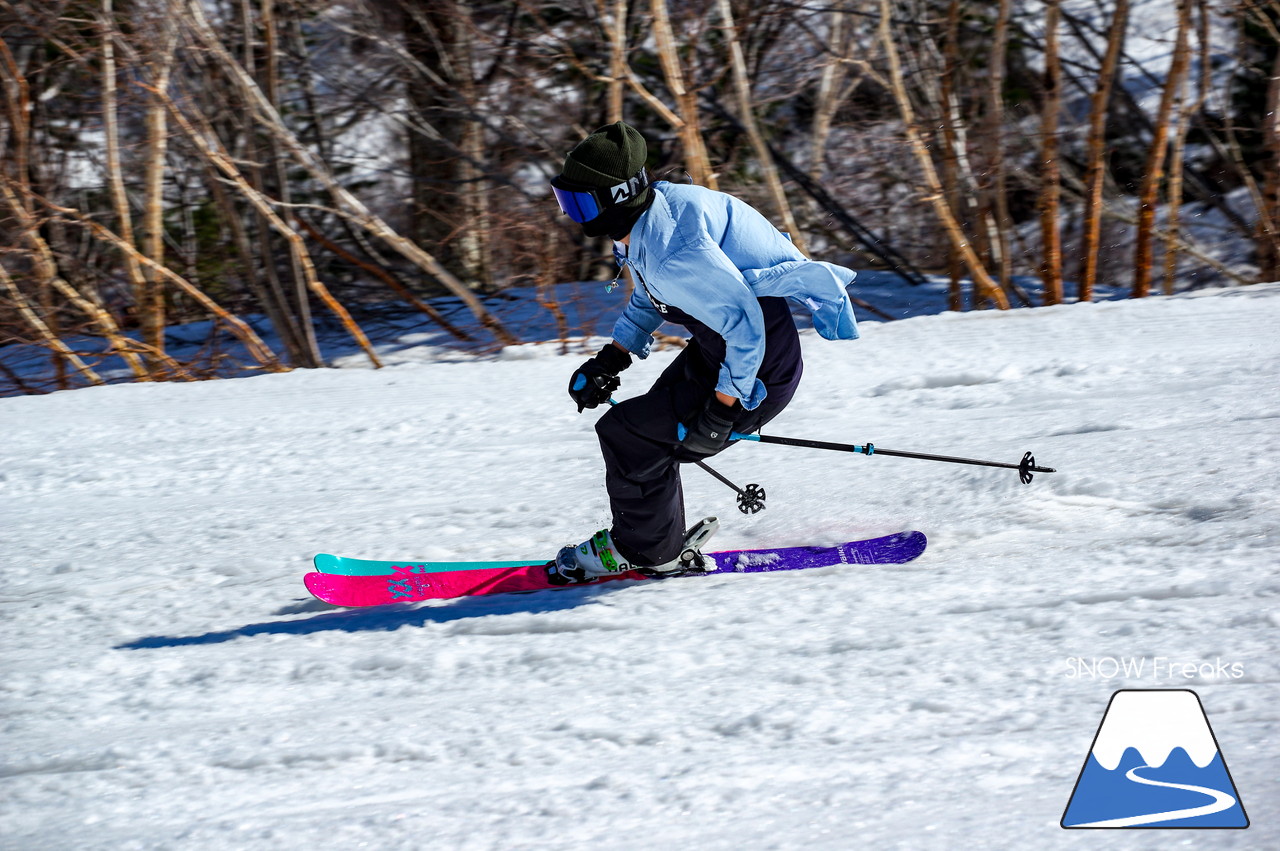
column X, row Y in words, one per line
column 579, row 206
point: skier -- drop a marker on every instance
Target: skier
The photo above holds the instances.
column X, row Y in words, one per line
column 710, row 262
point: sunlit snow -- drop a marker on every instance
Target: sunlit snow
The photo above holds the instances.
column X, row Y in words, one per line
column 168, row 683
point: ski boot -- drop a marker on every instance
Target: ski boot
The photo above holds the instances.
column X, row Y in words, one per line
column 691, row 560
column 597, row 557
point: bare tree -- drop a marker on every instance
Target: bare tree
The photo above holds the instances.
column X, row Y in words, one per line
column 20, row 198
column 294, row 240
column 618, row 70
column 160, row 56
column 269, row 119
column 695, row 150
column 285, row 155
column 1096, row 154
column 832, row 90
column 1187, row 109
column 986, row 288
column 1268, row 227
column 138, row 284
column 1153, row 174
column 997, row 194
column 942, row 81
column 1050, row 177
column 746, row 111
column 46, row 334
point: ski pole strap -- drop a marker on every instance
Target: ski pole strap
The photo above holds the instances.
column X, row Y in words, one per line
column 1025, row 467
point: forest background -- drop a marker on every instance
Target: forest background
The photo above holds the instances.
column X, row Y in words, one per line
column 267, row 166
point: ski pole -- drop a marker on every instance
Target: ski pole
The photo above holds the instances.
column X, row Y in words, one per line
column 1025, row 468
column 750, row 499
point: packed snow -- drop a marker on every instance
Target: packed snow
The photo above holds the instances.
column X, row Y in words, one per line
column 168, row 683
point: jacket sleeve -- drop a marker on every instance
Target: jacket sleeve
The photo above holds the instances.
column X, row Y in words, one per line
column 634, row 328
column 707, row 286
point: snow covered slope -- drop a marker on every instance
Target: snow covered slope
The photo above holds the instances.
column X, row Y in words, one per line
column 167, row 683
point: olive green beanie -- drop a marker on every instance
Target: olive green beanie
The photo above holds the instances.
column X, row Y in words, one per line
column 611, row 155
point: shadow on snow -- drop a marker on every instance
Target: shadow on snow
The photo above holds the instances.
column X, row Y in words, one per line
column 388, row 618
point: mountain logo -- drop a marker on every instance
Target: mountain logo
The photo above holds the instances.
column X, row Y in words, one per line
column 1155, row 763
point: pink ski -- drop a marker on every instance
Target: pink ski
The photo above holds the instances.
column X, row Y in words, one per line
column 343, row 590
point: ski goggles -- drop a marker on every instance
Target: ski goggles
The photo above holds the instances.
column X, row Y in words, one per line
column 584, row 203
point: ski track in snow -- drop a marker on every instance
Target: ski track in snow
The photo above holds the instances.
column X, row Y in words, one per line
column 167, row 682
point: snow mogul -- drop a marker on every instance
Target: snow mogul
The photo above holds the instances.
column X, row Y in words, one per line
column 710, row 262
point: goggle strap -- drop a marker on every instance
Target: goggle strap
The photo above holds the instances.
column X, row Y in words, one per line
column 629, row 189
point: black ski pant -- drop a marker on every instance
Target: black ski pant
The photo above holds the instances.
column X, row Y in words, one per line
column 642, row 453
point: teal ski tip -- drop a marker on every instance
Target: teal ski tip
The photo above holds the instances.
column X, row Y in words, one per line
column 347, row 566
column 326, row 563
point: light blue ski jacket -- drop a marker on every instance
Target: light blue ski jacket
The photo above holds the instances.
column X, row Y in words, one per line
column 712, row 255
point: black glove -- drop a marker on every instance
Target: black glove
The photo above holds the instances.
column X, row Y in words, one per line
column 710, row 429
column 595, row 380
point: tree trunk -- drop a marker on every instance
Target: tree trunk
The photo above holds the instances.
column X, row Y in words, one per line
column 446, row 139
column 963, row 190
column 115, row 171
column 1153, row 174
column 697, row 161
column 1268, row 228
column 952, row 151
column 298, row 341
column 828, row 97
column 473, row 240
column 1186, row 112
column 152, row 305
column 617, row 56
column 430, row 159
column 1096, row 156
column 1050, row 175
column 997, row 199
column 278, row 175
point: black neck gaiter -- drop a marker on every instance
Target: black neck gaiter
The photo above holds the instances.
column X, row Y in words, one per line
column 617, row 222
